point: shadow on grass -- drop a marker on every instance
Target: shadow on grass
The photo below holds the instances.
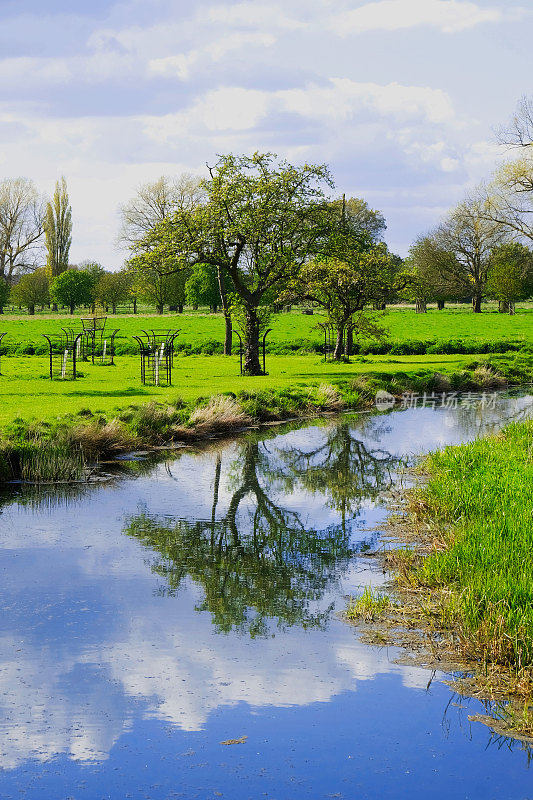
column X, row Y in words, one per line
column 112, row 393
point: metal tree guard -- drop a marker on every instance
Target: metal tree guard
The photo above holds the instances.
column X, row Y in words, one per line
column 2, row 351
column 330, row 337
column 167, row 336
column 263, row 347
column 264, row 350
column 63, row 356
column 156, row 350
column 240, row 348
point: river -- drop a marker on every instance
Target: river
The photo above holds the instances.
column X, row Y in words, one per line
column 148, row 619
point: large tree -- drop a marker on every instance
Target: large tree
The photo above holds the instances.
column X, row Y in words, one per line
column 58, row 230
column 431, row 273
column 470, row 238
column 258, row 225
column 348, row 271
column 73, row 288
column 156, row 201
column 21, row 227
column 113, row 288
column 32, row 290
column 511, row 275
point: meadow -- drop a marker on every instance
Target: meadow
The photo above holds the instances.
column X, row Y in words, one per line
column 452, row 330
column 27, row 392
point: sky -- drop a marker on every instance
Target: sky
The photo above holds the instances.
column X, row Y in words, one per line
column 401, row 98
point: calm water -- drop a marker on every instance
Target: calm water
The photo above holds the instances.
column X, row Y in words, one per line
column 146, row 621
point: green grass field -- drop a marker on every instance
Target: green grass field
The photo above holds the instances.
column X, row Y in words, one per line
column 203, row 331
column 27, row 392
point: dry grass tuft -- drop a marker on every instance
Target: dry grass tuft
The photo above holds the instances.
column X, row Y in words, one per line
column 221, row 413
column 329, row 398
column 102, row 439
column 487, row 378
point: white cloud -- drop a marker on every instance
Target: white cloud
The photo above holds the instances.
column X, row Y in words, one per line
column 341, row 98
column 449, row 16
column 180, row 65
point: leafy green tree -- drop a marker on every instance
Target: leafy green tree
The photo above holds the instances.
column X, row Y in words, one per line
column 510, row 276
column 360, row 217
column 73, row 288
column 349, row 271
column 113, row 288
column 431, row 274
column 58, row 230
column 201, row 288
column 32, row 290
column 258, row 225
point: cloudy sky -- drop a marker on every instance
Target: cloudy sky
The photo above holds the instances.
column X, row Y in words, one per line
column 400, row 97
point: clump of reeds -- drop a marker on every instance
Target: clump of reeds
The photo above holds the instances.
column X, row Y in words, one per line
column 100, row 438
column 486, row 377
column 42, row 461
column 370, row 606
column 328, row 398
column 220, row 413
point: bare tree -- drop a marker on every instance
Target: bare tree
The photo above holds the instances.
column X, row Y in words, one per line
column 22, row 213
column 519, row 132
column 508, row 197
column 155, row 202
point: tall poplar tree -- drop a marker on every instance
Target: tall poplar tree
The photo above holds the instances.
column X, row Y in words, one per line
column 58, row 230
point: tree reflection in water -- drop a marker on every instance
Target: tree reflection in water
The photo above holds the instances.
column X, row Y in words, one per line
column 260, row 562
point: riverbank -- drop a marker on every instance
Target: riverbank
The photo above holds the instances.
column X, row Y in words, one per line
column 462, row 595
column 68, row 447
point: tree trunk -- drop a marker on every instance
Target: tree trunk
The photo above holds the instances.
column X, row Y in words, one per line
column 503, row 307
column 421, row 307
column 31, row 309
column 228, row 334
column 135, row 306
column 72, row 307
column 337, row 353
column 512, row 310
column 228, row 328
column 159, row 308
column 348, row 346
column 1, row 309
column 252, row 365
column 114, row 308
column 180, row 308
column 476, row 304
column 440, row 305
column 54, row 307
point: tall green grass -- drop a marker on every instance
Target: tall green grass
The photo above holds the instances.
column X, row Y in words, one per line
column 480, row 499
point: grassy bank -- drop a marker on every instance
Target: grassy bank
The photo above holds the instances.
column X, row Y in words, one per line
column 52, row 430
column 466, row 580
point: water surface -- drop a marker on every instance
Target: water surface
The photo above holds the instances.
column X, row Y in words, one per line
column 146, row 621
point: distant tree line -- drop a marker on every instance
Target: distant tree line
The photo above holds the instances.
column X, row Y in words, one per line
column 257, row 234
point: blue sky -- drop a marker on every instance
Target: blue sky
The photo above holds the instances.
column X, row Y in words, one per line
column 400, row 97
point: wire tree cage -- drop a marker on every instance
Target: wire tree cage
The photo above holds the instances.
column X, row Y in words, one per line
column 63, row 356
column 97, row 345
column 2, row 350
column 156, row 350
column 331, row 332
column 262, row 346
